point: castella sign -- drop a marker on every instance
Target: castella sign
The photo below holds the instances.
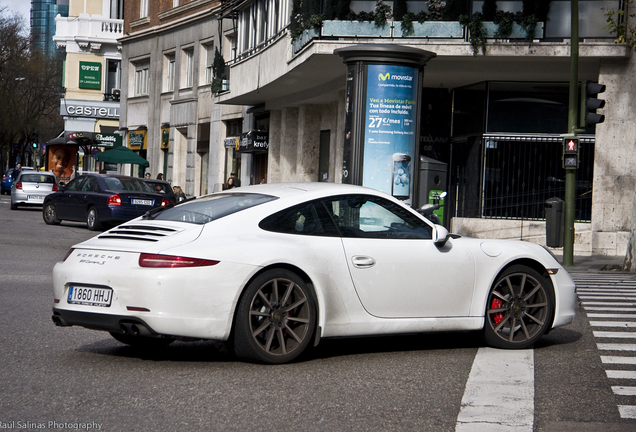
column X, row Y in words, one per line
column 105, row 110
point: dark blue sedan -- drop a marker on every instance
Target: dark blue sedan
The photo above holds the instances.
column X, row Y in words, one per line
column 101, row 201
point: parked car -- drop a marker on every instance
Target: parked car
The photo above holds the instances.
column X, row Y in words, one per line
column 101, row 200
column 277, row 267
column 164, row 188
column 7, row 180
column 31, row 187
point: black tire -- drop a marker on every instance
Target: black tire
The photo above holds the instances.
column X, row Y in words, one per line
column 92, row 220
column 275, row 318
column 14, row 206
column 520, row 308
column 142, row 341
column 49, row 214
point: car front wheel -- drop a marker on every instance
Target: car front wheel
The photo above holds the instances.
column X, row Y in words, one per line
column 92, row 220
column 50, row 215
column 520, row 308
column 275, row 319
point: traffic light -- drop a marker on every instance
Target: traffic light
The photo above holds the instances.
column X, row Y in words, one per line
column 590, row 103
column 570, row 152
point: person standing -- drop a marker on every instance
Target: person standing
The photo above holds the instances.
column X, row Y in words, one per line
column 16, row 171
column 160, row 176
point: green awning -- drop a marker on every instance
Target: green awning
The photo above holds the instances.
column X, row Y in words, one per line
column 121, row 155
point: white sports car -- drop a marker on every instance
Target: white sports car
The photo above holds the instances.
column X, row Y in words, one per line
column 274, row 268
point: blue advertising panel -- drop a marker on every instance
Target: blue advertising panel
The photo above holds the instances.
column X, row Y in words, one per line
column 390, row 130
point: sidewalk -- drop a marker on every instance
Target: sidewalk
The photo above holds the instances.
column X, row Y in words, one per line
column 595, row 263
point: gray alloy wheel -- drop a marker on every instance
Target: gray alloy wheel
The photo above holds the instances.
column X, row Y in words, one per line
column 520, row 308
column 275, row 319
column 92, row 220
column 50, row 215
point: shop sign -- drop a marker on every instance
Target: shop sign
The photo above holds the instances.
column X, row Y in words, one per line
column 137, row 139
column 90, row 75
column 108, row 140
column 73, row 109
column 232, row 142
column 254, row 141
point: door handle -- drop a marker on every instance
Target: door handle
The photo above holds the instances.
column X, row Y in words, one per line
column 362, row 262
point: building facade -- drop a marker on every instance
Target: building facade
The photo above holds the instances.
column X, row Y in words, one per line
column 490, row 121
column 92, row 78
column 43, row 13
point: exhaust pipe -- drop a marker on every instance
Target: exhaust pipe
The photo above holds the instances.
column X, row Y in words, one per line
column 59, row 322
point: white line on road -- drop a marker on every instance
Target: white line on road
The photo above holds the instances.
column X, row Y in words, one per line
column 499, row 393
column 623, row 324
column 616, row 347
column 609, row 309
column 624, row 391
column 595, row 315
column 606, row 334
column 627, row 411
column 618, row 359
column 621, row 374
column 608, row 303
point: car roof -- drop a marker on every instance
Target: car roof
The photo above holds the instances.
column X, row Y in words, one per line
column 317, row 189
column 32, row 171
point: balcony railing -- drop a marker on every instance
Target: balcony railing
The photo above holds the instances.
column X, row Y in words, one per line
column 87, row 31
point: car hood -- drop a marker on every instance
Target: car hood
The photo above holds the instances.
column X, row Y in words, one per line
column 140, row 235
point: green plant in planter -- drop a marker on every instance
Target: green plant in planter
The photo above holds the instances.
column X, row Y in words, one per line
column 381, row 13
column 218, row 72
column 477, row 32
column 435, row 9
column 528, row 23
column 504, row 21
column 618, row 24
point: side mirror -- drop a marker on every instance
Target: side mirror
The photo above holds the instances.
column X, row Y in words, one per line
column 440, row 235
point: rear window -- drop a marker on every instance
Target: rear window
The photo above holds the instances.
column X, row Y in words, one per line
column 210, row 208
column 37, row 178
column 127, row 184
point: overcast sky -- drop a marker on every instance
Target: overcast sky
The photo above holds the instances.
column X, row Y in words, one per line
column 22, row 7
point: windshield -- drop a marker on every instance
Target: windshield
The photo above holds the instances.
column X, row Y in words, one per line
column 212, row 207
column 127, row 184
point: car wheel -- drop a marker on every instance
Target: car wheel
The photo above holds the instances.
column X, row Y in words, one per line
column 50, row 215
column 92, row 220
column 142, row 341
column 520, row 308
column 14, row 206
column 275, row 318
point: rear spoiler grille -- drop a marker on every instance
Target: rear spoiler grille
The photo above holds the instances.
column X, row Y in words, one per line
column 149, row 233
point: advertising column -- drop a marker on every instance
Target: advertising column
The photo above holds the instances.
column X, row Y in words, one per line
column 382, row 111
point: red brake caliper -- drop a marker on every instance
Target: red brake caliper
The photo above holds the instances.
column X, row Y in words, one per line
column 496, row 304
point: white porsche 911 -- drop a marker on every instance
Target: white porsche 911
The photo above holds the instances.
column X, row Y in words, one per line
column 274, row 268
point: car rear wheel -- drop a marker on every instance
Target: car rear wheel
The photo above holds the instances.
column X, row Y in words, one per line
column 14, row 206
column 520, row 308
column 92, row 220
column 142, row 341
column 275, row 319
column 50, row 215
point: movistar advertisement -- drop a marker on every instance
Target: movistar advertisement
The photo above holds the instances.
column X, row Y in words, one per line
column 390, row 131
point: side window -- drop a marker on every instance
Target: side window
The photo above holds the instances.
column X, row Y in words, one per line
column 365, row 216
column 90, row 185
column 74, row 184
column 305, row 219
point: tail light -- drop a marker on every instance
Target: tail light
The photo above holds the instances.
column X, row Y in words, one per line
column 68, row 254
column 164, row 202
column 114, row 200
column 18, row 185
column 171, row 261
column 55, row 189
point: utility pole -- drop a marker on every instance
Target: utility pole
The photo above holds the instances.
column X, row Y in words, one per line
column 570, row 172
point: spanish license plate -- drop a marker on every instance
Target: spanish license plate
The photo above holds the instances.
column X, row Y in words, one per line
column 90, row 296
column 142, row 202
column 35, row 198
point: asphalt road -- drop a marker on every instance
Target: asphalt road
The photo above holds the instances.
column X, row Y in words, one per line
column 76, row 379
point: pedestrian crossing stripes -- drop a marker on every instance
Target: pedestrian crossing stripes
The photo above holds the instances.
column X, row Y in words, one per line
column 609, row 300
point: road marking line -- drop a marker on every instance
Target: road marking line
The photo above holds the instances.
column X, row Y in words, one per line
column 623, row 324
column 607, row 334
column 584, row 297
column 627, row 411
column 616, row 347
column 624, row 391
column 608, row 303
column 618, row 359
column 609, row 309
column 499, row 393
column 595, row 315
column 621, row 374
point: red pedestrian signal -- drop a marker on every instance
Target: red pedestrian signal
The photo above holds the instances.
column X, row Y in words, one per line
column 570, row 152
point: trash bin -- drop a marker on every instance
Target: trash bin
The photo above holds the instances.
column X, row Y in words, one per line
column 554, row 222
